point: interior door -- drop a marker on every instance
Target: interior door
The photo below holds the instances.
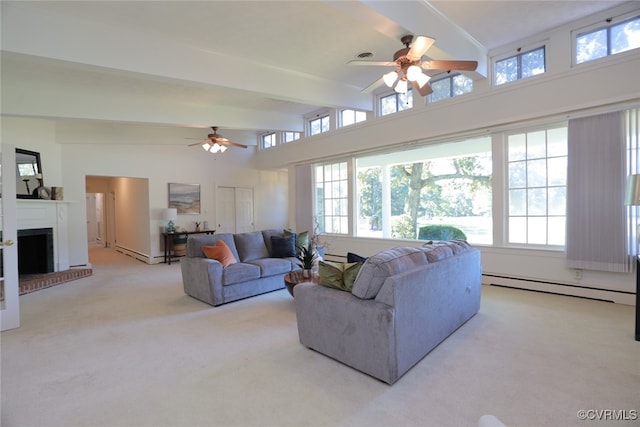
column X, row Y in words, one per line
column 226, row 210
column 244, row 210
column 9, row 292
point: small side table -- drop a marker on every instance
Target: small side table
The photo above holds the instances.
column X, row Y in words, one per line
column 295, row 277
column 168, row 241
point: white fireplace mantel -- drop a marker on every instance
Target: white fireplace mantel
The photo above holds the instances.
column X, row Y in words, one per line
column 36, row 213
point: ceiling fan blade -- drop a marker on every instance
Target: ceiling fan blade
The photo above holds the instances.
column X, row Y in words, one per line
column 424, row 90
column 196, row 143
column 234, row 144
column 378, row 63
column 373, row 86
column 450, row 65
column 419, row 47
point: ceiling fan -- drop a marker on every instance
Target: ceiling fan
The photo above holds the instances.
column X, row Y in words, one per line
column 408, row 65
column 216, row 143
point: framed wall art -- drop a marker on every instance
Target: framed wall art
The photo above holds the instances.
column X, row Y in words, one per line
column 185, row 198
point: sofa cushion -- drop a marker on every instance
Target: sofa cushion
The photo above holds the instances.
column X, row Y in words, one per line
column 272, row 266
column 282, row 247
column 338, row 275
column 220, row 252
column 240, row 272
column 437, row 251
column 459, row 246
column 384, row 264
column 250, row 246
column 197, row 241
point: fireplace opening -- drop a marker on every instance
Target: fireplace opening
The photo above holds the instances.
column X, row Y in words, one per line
column 35, row 251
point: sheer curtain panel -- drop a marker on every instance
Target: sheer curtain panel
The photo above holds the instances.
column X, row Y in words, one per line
column 596, row 176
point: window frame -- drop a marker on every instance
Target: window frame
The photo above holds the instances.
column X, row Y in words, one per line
column 520, row 53
column 318, row 204
column 389, row 94
column 285, row 140
column 263, row 137
column 451, row 78
column 355, row 117
column 507, row 188
column 608, row 25
column 318, row 116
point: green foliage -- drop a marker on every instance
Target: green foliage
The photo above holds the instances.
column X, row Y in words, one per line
column 440, row 232
column 371, row 196
column 306, row 256
column 403, row 228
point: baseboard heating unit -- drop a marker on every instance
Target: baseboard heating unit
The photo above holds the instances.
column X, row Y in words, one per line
column 568, row 289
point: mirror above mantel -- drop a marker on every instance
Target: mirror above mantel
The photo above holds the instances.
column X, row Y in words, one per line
column 28, row 174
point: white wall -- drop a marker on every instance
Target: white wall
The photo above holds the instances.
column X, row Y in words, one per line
column 68, row 165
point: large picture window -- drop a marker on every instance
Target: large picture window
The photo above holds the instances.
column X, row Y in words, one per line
column 332, row 197
column 400, row 194
column 537, row 173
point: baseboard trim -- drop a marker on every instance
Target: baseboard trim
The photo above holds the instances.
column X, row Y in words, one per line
column 619, row 297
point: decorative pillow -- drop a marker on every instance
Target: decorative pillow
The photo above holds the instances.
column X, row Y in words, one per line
column 351, row 257
column 220, row 252
column 282, row 247
column 338, row 275
column 302, row 239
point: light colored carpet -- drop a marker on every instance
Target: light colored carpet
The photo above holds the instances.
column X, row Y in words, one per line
column 126, row 347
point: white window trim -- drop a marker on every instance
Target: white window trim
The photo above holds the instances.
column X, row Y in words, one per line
column 600, row 24
column 511, row 52
column 318, row 114
column 378, row 107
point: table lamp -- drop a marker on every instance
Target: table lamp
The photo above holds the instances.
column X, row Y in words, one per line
column 170, row 215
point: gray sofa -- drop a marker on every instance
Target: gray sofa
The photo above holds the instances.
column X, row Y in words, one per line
column 256, row 271
column 404, row 302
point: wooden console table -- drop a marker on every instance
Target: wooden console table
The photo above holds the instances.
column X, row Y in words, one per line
column 168, row 241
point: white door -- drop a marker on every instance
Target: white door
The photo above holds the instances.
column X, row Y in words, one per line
column 9, row 301
column 92, row 218
column 234, row 210
column 244, row 210
column 226, row 210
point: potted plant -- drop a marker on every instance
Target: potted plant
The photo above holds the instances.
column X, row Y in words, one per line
column 306, row 258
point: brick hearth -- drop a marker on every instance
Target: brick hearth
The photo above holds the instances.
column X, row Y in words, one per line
column 35, row 282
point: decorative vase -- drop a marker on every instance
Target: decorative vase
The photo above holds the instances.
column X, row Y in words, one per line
column 306, row 273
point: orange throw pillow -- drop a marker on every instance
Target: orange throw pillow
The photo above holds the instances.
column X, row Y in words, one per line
column 220, row 252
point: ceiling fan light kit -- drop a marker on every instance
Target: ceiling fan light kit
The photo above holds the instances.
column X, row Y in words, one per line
column 409, row 65
column 216, row 143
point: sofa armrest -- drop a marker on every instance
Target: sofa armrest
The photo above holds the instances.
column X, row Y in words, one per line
column 431, row 302
column 357, row 332
column 202, row 279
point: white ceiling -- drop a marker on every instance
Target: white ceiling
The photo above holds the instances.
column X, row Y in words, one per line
column 256, row 65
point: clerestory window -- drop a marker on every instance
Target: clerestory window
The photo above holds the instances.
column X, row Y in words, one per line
column 520, row 66
column 607, row 40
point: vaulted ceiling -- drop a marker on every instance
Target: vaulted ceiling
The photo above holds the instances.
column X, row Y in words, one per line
column 257, row 65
